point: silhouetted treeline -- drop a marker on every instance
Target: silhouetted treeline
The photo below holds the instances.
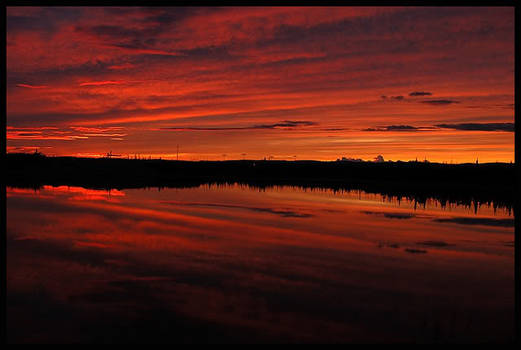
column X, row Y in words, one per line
column 466, row 184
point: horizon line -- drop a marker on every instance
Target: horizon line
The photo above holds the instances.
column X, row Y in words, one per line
column 266, row 159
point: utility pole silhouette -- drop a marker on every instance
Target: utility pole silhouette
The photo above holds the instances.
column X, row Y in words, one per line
column 177, row 157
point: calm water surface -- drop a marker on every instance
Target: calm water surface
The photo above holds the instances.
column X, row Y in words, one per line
column 233, row 263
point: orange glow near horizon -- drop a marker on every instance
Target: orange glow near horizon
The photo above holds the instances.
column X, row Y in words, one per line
column 260, row 82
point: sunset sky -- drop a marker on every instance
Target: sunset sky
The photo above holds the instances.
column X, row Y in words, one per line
column 253, row 82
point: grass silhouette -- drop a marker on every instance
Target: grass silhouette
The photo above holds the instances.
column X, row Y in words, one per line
column 463, row 184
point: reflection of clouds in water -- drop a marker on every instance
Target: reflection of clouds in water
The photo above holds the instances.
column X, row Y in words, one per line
column 110, row 258
column 80, row 193
column 434, row 243
column 390, row 215
column 415, row 251
column 69, row 192
column 502, row 222
column 281, row 212
column 388, row 244
column 438, row 244
column 478, row 221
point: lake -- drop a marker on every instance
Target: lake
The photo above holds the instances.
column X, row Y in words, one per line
column 234, row 263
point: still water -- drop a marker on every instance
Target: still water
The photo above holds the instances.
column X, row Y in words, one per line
column 242, row 264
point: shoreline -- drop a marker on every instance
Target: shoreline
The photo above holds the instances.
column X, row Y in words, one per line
column 467, row 184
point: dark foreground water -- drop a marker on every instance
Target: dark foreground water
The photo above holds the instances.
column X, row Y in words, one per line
column 239, row 264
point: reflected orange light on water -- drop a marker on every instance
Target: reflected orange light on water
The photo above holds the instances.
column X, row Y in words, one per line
column 278, row 263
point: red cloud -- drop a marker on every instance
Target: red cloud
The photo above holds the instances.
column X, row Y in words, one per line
column 32, row 86
column 122, row 66
column 99, row 83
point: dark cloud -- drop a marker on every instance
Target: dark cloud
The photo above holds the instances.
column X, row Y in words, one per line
column 146, row 28
column 111, row 31
column 115, row 112
column 208, row 53
column 400, row 127
column 44, row 77
column 462, row 126
column 440, row 102
column 284, row 125
column 434, row 243
column 123, row 37
column 45, row 20
column 404, row 20
column 169, row 15
column 415, row 251
column 388, row 244
column 479, row 126
column 395, row 98
column 394, row 128
column 420, row 93
column 479, row 221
